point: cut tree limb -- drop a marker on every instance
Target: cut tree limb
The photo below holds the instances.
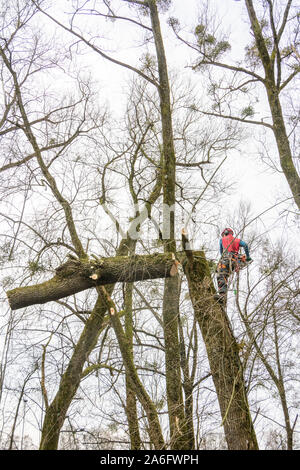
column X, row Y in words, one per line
column 75, row 276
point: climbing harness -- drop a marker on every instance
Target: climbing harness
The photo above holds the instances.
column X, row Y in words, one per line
column 229, row 264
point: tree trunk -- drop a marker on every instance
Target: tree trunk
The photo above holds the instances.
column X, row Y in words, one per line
column 56, row 412
column 283, row 144
column 273, row 90
column 131, row 402
column 223, row 355
column 132, row 416
column 177, row 421
column 188, row 386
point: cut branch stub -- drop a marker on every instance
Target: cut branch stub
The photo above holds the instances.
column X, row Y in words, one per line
column 186, row 244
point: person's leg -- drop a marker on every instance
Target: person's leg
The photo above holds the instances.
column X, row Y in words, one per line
column 222, row 276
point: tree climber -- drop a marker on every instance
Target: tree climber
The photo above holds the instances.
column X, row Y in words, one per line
column 230, row 258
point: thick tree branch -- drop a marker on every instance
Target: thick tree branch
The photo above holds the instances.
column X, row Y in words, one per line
column 75, row 276
column 259, row 39
column 289, row 79
column 235, row 118
column 96, row 49
column 112, row 16
column 284, row 19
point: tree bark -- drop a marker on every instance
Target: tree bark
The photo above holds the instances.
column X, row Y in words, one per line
column 283, row 144
column 131, row 401
column 188, row 386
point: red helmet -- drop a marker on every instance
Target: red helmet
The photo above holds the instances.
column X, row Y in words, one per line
column 227, row 231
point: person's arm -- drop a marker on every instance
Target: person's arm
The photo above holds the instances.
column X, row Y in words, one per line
column 246, row 248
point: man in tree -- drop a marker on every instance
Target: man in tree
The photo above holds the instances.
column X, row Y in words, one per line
column 230, row 259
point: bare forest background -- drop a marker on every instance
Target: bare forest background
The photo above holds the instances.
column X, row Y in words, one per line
column 122, row 123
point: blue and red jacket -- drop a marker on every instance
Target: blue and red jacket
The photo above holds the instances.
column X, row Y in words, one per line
column 232, row 245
